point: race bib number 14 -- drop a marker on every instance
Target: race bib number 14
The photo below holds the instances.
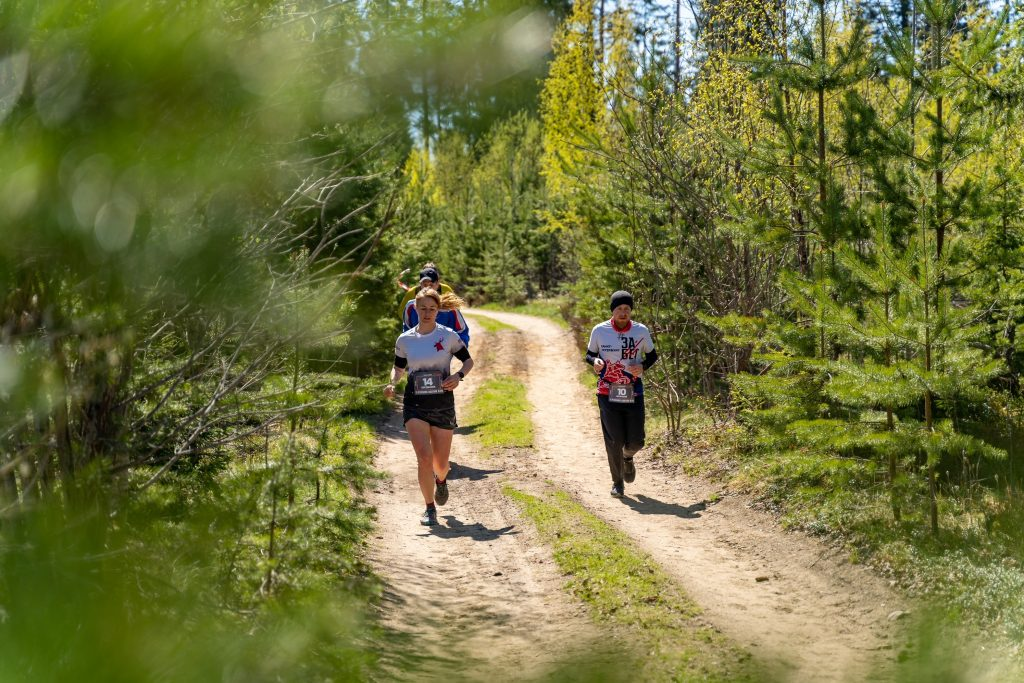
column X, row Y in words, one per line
column 426, row 383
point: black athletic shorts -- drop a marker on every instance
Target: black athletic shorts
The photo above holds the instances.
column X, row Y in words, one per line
column 441, row 417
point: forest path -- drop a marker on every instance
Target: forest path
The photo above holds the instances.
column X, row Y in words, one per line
column 791, row 601
column 478, row 597
column 483, row 583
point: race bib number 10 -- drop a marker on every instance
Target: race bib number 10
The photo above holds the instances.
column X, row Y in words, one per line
column 621, row 393
column 425, row 383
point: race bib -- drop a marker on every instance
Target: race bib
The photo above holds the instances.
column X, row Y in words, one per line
column 426, row 382
column 621, row 393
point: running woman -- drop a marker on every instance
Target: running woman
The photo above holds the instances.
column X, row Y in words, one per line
column 426, row 352
column 621, row 350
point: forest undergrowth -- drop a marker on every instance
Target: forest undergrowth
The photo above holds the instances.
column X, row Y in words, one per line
column 971, row 573
column 245, row 566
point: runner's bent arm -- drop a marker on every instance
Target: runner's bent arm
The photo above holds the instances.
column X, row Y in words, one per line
column 650, row 358
column 639, row 369
column 593, row 356
column 405, row 287
column 456, row 377
column 397, row 372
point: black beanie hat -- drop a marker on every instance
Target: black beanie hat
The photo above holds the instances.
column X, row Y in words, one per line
column 621, row 297
column 430, row 273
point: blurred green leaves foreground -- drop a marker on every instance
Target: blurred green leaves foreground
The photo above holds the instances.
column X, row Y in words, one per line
column 168, row 229
column 192, row 194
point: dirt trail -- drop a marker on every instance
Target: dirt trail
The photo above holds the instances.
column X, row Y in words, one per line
column 787, row 598
column 481, row 595
column 478, row 597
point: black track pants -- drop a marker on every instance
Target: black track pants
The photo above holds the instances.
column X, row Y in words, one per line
column 623, row 428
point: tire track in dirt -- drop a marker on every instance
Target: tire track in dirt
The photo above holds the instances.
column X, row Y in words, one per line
column 804, row 613
column 478, row 597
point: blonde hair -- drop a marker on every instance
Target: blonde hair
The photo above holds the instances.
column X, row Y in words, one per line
column 428, row 293
column 449, row 301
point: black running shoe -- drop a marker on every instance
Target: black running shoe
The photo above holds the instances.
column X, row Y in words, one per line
column 440, row 492
column 628, row 470
column 618, row 491
column 429, row 517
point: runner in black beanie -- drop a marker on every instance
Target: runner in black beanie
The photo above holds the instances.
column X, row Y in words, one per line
column 621, row 351
column 621, row 297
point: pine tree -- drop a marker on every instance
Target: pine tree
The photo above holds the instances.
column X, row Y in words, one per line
column 518, row 255
column 922, row 171
column 787, row 399
column 902, row 352
column 998, row 246
column 572, row 111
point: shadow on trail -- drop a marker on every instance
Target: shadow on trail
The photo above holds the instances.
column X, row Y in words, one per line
column 393, row 427
column 454, row 528
column 646, row 505
column 471, row 473
column 409, row 651
column 400, row 653
column 468, row 429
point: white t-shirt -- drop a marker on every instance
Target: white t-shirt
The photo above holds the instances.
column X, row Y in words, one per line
column 432, row 351
column 618, row 349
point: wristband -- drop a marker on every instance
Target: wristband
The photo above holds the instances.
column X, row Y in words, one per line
column 461, row 374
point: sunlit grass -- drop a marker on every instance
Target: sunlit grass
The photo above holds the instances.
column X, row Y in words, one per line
column 500, row 414
column 490, row 325
column 551, row 309
column 623, row 586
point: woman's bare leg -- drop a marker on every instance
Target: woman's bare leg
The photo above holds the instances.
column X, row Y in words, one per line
column 419, row 434
column 442, row 443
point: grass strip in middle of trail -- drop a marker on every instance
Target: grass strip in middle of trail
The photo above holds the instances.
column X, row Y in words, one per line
column 499, row 414
column 490, row 325
column 624, row 586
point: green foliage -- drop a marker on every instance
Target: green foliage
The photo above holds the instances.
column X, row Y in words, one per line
column 195, row 203
column 876, row 349
column 428, row 62
column 190, row 218
column 250, row 567
column 826, row 216
column 571, row 104
column 474, row 209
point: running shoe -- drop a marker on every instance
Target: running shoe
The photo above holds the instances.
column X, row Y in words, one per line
column 618, row 491
column 429, row 517
column 440, row 492
column 628, row 470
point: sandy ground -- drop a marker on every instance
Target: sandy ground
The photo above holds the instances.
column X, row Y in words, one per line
column 483, row 590
column 477, row 597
